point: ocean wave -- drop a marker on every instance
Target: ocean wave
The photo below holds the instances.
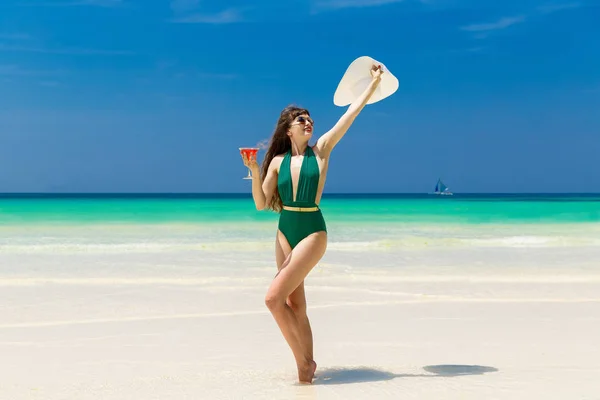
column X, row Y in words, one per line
column 29, row 246
column 497, row 242
column 215, row 282
column 119, row 248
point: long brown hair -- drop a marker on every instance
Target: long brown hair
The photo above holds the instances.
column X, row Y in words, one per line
column 280, row 144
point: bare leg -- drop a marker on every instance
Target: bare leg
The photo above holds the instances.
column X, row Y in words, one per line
column 292, row 273
column 296, row 300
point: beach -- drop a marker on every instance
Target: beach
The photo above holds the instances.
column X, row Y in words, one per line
column 415, row 298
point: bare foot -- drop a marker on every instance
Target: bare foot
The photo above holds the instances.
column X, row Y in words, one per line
column 306, row 372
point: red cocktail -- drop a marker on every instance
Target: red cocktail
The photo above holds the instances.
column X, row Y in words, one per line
column 250, row 153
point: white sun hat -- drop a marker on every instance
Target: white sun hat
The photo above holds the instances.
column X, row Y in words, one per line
column 357, row 79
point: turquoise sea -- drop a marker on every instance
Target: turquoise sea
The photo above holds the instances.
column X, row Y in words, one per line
column 121, row 223
column 18, row 209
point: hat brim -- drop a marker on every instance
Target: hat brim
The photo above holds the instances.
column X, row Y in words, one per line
column 357, row 78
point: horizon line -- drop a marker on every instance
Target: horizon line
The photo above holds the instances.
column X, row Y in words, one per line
column 324, row 194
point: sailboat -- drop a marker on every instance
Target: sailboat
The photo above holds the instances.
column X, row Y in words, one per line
column 441, row 189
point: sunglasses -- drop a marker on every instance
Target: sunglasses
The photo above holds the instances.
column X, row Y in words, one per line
column 302, row 120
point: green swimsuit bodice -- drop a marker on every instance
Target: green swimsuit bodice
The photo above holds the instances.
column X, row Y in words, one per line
column 308, row 181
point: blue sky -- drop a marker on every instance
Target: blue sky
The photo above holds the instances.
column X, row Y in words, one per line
column 157, row 95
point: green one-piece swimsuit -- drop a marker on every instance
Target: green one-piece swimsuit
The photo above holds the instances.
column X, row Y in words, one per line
column 296, row 225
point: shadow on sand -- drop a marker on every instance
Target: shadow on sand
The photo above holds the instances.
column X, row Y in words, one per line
column 339, row 376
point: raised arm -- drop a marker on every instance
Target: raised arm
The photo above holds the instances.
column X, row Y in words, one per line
column 327, row 142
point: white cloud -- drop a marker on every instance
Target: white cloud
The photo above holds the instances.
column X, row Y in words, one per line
column 550, row 8
column 73, row 51
column 95, row 3
column 228, row 16
column 502, row 23
column 339, row 4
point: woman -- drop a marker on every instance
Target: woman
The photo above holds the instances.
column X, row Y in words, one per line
column 298, row 172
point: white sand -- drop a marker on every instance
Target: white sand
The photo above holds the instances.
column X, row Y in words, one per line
column 469, row 323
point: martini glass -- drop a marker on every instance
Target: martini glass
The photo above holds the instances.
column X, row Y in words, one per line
column 250, row 153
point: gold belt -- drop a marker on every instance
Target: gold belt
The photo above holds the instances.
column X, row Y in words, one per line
column 301, row 209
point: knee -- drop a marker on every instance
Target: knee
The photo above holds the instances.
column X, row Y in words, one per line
column 274, row 302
